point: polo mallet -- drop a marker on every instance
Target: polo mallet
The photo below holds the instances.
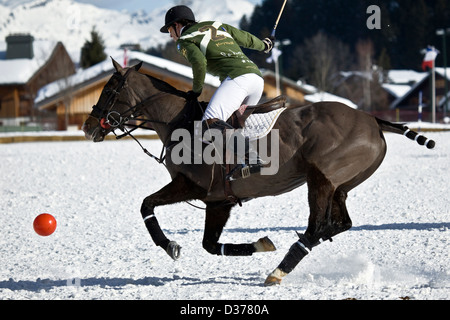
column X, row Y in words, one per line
column 278, row 20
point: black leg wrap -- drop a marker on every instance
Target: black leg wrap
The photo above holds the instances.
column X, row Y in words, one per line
column 295, row 254
column 236, row 249
column 155, row 231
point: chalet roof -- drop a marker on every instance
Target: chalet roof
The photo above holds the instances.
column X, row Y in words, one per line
column 321, row 96
column 405, row 77
column 396, row 90
column 312, row 94
column 20, row 71
column 106, row 68
column 426, row 75
column 395, row 76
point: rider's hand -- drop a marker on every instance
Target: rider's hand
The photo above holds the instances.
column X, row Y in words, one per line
column 192, row 95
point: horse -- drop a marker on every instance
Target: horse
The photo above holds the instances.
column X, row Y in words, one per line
column 328, row 146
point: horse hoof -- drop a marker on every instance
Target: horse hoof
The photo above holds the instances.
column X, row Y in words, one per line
column 274, row 278
column 272, row 281
column 173, row 250
column 264, row 245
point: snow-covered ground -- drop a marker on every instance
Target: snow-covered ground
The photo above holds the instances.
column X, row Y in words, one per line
column 398, row 246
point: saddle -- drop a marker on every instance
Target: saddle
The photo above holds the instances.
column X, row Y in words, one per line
column 237, row 121
column 238, row 118
column 195, row 109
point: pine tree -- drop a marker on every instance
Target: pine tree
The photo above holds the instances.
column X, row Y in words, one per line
column 93, row 51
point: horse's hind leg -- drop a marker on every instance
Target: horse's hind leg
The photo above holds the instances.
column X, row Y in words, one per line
column 329, row 217
column 321, row 197
column 339, row 215
column 217, row 215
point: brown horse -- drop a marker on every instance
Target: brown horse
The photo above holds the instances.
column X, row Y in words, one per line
column 327, row 145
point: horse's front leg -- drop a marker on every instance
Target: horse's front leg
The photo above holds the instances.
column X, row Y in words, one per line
column 180, row 189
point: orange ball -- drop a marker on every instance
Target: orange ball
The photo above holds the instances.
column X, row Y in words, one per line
column 44, row 224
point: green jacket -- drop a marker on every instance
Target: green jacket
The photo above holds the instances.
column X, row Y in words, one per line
column 214, row 47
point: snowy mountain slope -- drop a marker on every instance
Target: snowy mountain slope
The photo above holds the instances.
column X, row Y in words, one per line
column 71, row 22
column 13, row 3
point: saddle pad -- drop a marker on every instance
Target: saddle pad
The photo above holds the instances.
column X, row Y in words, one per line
column 258, row 125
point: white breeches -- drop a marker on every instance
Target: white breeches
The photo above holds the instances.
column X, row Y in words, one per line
column 232, row 93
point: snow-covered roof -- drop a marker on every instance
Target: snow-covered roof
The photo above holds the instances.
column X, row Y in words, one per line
column 321, row 96
column 315, row 95
column 405, row 77
column 400, row 82
column 20, row 71
column 183, row 70
column 397, row 90
column 85, row 75
column 441, row 71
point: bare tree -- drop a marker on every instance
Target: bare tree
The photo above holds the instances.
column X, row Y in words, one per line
column 364, row 49
column 320, row 58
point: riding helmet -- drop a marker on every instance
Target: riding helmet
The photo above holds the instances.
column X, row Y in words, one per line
column 177, row 14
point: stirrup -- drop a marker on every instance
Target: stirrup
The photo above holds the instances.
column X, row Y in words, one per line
column 245, row 172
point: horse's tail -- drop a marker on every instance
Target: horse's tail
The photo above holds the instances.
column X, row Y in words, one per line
column 402, row 129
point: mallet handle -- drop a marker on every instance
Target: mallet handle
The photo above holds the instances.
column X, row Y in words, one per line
column 278, row 19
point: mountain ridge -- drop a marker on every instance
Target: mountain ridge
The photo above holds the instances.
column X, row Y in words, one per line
column 71, row 22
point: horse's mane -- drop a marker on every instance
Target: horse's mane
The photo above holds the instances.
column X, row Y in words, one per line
column 165, row 87
column 193, row 110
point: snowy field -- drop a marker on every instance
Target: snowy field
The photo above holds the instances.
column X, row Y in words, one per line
column 398, row 246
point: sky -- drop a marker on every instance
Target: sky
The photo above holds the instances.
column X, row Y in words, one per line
column 134, row 5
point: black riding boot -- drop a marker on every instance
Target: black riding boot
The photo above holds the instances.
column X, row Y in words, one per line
column 245, row 168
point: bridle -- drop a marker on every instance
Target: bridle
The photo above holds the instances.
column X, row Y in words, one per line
column 110, row 119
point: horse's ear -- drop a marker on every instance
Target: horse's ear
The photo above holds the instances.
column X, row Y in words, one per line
column 138, row 66
column 117, row 66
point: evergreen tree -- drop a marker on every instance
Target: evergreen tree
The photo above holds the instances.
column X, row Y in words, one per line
column 412, row 35
column 440, row 19
column 93, row 51
column 407, row 26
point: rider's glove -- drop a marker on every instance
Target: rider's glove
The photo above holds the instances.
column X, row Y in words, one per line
column 268, row 44
column 192, row 95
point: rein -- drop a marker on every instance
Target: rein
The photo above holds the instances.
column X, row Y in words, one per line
column 111, row 120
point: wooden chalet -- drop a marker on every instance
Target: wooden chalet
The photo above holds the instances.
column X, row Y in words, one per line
column 408, row 104
column 27, row 65
column 72, row 99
